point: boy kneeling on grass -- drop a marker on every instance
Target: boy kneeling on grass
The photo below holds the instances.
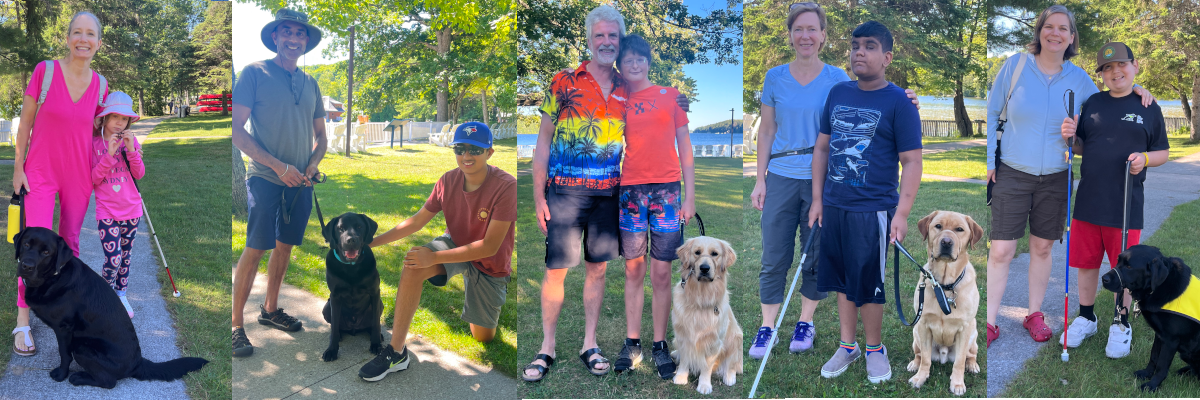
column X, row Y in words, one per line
column 869, row 128
column 1115, row 128
column 480, row 205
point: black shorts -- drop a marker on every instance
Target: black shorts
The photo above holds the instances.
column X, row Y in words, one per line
column 853, row 254
column 577, row 219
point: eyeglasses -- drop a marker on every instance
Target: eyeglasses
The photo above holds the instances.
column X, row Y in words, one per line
column 629, row 62
column 463, row 148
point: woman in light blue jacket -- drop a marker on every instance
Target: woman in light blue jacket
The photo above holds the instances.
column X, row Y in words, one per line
column 1031, row 175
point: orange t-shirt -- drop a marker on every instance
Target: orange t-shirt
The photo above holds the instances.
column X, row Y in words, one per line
column 651, row 118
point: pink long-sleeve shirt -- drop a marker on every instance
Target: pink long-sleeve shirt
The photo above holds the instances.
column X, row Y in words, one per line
column 116, row 195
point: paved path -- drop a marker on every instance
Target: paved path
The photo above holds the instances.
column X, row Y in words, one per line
column 288, row 364
column 749, row 168
column 1167, row 186
column 29, row 377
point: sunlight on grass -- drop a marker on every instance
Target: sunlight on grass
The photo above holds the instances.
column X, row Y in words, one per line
column 196, row 125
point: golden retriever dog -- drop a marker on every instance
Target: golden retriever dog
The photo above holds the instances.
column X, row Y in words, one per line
column 942, row 337
column 708, row 339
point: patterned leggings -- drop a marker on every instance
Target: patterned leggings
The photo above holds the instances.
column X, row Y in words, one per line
column 117, row 239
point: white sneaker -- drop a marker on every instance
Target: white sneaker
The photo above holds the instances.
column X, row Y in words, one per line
column 1081, row 328
column 128, row 308
column 1120, row 338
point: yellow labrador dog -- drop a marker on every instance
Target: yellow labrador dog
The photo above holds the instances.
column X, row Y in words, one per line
column 939, row 337
column 708, row 339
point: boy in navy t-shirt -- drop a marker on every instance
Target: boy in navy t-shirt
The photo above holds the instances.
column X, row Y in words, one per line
column 869, row 128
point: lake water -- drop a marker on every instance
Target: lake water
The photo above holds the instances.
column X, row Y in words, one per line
column 697, row 139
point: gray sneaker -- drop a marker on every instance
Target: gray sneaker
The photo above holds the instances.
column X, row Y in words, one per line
column 839, row 362
column 878, row 367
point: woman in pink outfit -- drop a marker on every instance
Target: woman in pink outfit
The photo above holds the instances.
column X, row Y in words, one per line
column 58, row 137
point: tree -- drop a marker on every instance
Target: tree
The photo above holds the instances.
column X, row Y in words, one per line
column 214, row 40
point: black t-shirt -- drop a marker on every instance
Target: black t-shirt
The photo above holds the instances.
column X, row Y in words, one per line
column 1111, row 129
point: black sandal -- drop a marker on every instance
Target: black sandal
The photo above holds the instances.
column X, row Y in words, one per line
column 542, row 370
column 591, row 365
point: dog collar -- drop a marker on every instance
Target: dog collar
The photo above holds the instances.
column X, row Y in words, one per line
column 339, row 258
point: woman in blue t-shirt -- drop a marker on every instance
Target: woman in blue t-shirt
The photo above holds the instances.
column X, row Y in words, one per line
column 1031, row 176
column 793, row 98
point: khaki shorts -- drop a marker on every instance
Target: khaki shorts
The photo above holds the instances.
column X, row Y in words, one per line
column 484, row 294
column 1019, row 199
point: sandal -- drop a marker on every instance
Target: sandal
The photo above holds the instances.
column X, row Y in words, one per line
column 993, row 332
column 591, row 365
column 28, row 342
column 1036, row 324
column 542, row 370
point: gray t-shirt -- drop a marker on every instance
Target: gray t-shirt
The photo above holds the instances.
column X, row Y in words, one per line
column 282, row 106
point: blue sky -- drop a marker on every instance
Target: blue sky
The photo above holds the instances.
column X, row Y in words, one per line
column 720, row 86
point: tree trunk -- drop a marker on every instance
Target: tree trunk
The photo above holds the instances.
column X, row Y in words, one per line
column 1195, row 107
column 1187, row 108
column 141, row 94
column 961, row 119
column 443, row 93
column 239, row 184
column 485, row 110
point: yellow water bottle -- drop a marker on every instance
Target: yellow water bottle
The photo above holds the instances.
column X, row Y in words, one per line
column 14, row 210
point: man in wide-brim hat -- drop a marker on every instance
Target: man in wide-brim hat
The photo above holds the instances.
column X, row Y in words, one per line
column 286, row 142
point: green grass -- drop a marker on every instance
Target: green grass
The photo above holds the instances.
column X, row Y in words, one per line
column 1090, row 373
column 196, row 125
column 389, row 186
column 797, row 375
column 965, row 163
column 185, row 189
column 928, row 140
column 7, row 152
column 718, row 200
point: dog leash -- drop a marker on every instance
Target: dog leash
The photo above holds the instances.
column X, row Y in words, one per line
column 320, row 177
column 700, row 224
column 939, row 289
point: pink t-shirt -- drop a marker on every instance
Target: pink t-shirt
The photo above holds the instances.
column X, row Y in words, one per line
column 469, row 213
column 116, row 195
column 60, row 145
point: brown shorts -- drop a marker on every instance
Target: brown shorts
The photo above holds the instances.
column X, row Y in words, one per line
column 1019, row 198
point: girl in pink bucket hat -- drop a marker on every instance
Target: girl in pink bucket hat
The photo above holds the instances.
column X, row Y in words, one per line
column 116, row 162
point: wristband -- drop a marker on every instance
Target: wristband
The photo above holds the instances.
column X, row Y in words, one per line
column 1147, row 155
column 286, row 169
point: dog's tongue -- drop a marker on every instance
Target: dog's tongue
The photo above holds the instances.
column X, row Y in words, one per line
column 351, row 254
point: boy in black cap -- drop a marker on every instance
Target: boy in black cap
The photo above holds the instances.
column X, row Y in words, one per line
column 1115, row 128
column 479, row 202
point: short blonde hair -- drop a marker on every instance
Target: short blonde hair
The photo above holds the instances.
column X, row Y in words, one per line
column 796, row 9
column 1035, row 47
column 603, row 12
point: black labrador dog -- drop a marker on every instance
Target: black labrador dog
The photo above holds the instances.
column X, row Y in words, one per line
column 1160, row 284
column 88, row 319
column 354, row 302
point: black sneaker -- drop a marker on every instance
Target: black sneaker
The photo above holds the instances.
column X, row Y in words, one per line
column 241, row 344
column 662, row 360
column 278, row 320
column 386, row 362
column 630, row 355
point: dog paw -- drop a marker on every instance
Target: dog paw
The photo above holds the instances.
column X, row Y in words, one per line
column 1149, row 387
column 376, row 348
column 681, row 378
column 1143, row 374
column 912, row 366
column 917, row 380
column 1188, row 370
column 958, row 388
column 329, row 355
column 59, row 374
column 973, row 367
column 704, row 388
column 730, row 379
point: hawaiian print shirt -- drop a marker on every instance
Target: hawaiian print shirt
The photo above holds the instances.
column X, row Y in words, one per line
column 589, row 130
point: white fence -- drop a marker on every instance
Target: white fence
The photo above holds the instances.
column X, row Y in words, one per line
column 7, row 131
column 707, row 150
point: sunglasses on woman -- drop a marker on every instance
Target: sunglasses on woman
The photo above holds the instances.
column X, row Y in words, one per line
column 463, row 148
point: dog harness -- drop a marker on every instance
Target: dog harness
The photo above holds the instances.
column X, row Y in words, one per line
column 1188, row 303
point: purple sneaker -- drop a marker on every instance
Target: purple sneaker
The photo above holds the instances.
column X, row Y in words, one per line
column 761, row 343
column 802, row 337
